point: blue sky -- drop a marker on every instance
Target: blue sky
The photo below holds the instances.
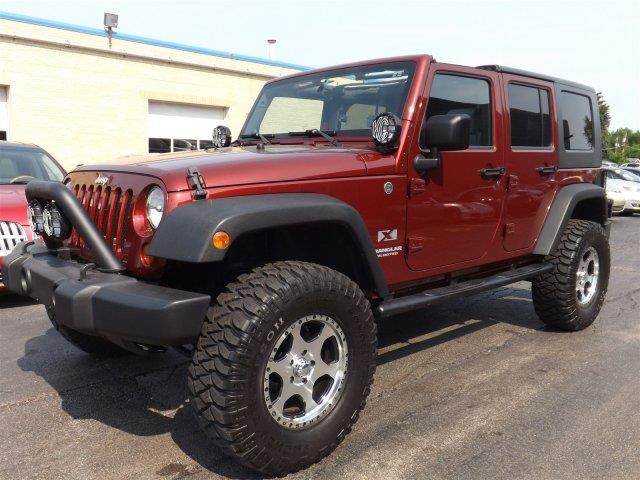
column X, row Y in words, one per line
column 592, row 42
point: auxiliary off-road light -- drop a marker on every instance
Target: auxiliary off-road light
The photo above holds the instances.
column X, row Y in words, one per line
column 385, row 131
column 221, row 240
column 55, row 224
column 34, row 215
column 221, row 136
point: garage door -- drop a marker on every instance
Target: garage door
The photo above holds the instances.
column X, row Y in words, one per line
column 175, row 127
column 4, row 116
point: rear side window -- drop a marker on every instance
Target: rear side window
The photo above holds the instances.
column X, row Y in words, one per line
column 457, row 94
column 530, row 120
column 577, row 121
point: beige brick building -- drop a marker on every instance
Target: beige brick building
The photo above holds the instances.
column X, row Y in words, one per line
column 64, row 88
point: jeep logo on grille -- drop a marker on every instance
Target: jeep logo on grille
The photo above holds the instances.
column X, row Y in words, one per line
column 101, row 180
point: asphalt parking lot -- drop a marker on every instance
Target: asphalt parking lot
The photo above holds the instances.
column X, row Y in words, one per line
column 473, row 389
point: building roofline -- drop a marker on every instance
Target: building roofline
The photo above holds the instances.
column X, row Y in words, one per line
column 145, row 40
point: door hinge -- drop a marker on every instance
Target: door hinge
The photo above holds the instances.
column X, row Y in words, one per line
column 509, row 228
column 414, row 243
column 513, row 181
column 416, row 186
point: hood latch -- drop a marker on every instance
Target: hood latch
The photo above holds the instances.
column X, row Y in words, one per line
column 196, row 183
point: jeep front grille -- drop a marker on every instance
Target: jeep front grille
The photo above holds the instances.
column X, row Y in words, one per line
column 11, row 234
column 109, row 208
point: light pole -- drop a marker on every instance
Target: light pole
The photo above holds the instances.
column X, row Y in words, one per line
column 271, row 48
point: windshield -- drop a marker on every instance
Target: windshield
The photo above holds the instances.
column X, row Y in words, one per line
column 343, row 102
column 27, row 162
column 625, row 175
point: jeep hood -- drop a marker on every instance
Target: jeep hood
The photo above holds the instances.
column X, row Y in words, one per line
column 243, row 165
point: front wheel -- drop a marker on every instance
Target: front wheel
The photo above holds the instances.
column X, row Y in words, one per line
column 283, row 365
column 570, row 296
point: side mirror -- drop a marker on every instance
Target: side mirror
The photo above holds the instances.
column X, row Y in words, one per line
column 443, row 133
column 448, row 132
column 221, row 136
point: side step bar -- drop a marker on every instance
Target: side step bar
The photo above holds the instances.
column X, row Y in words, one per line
column 395, row 306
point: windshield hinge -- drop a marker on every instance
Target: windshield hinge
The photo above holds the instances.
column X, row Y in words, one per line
column 196, row 183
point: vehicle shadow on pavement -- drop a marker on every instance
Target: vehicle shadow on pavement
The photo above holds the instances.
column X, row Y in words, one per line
column 438, row 324
column 137, row 395
column 146, row 396
column 9, row 300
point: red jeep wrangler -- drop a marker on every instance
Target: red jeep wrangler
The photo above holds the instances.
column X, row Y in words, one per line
column 353, row 193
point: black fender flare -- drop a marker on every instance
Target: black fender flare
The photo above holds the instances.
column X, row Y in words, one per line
column 186, row 231
column 562, row 209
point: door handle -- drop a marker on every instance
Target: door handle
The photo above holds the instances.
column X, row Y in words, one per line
column 493, row 172
column 547, row 170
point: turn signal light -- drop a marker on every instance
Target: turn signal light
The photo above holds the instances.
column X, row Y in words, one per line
column 147, row 259
column 221, row 240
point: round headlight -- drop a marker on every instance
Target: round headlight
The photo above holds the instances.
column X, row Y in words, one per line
column 155, row 207
column 385, row 130
column 55, row 225
column 34, row 215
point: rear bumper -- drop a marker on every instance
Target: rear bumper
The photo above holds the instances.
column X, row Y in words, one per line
column 110, row 305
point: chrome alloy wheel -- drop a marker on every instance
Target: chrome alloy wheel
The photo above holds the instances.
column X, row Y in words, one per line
column 587, row 276
column 306, row 370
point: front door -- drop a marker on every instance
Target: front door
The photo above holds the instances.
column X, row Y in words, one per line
column 454, row 212
column 531, row 160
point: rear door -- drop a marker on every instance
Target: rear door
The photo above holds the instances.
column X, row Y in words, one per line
column 531, row 159
column 454, row 212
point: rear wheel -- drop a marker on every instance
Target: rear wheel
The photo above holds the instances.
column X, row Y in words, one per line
column 283, row 365
column 571, row 295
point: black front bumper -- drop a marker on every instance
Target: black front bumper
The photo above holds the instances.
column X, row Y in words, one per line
column 111, row 305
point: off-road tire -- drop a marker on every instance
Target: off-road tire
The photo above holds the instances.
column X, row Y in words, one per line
column 95, row 346
column 554, row 293
column 226, row 372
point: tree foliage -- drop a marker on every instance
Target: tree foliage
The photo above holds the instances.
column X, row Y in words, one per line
column 621, row 144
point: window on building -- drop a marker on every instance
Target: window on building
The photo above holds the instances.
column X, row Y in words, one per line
column 166, row 145
column 451, row 94
column 4, row 117
column 182, row 145
column 159, row 145
column 577, row 121
column 530, row 119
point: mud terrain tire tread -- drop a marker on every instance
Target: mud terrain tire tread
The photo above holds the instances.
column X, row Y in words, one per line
column 554, row 296
column 225, row 355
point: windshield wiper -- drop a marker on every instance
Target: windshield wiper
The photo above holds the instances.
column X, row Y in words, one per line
column 314, row 132
column 263, row 138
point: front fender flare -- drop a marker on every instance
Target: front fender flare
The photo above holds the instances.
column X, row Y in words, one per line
column 185, row 233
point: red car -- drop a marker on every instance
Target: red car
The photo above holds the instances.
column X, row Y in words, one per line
column 20, row 163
